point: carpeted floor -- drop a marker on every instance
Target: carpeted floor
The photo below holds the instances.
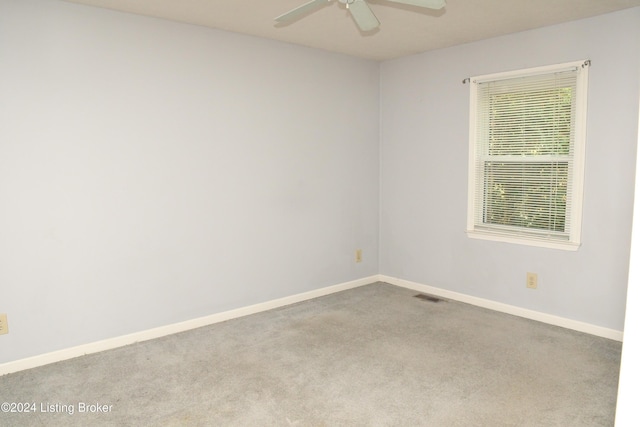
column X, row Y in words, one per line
column 370, row 356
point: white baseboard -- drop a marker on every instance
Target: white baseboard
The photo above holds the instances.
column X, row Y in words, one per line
column 121, row 341
column 506, row 308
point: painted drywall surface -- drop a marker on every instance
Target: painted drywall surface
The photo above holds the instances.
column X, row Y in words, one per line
column 424, row 152
column 153, row 172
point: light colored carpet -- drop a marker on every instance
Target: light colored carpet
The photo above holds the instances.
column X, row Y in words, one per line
column 371, row 356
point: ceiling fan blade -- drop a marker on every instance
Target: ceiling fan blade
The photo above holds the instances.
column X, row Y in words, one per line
column 363, row 15
column 293, row 14
column 429, row 4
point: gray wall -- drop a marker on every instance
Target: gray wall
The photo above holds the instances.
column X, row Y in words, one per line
column 424, row 136
column 153, row 172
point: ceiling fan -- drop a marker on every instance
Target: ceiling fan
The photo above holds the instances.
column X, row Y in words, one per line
column 359, row 9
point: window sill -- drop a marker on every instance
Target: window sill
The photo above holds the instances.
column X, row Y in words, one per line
column 524, row 240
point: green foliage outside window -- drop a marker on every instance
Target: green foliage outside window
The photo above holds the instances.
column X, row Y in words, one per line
column 526, row 170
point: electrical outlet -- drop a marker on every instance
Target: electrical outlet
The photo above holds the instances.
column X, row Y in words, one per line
column 4, row 327
column 358, row 255
column 532, row 280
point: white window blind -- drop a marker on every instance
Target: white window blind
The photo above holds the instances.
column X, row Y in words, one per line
column 526, row 155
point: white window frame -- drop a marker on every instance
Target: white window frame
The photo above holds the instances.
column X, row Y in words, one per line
column 521, row 235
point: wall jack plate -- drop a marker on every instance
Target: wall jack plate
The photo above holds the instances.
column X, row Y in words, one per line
column 4, row 327
column 532, row 280
column 358, row 255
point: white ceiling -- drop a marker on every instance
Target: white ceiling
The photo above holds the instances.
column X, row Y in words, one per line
column 404, row 30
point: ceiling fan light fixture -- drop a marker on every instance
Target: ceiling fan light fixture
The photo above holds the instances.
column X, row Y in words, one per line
column 359, row 9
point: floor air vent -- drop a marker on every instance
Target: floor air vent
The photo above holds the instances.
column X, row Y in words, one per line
column 429, row 298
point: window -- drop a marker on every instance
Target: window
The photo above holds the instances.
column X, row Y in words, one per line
column 526, row 155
